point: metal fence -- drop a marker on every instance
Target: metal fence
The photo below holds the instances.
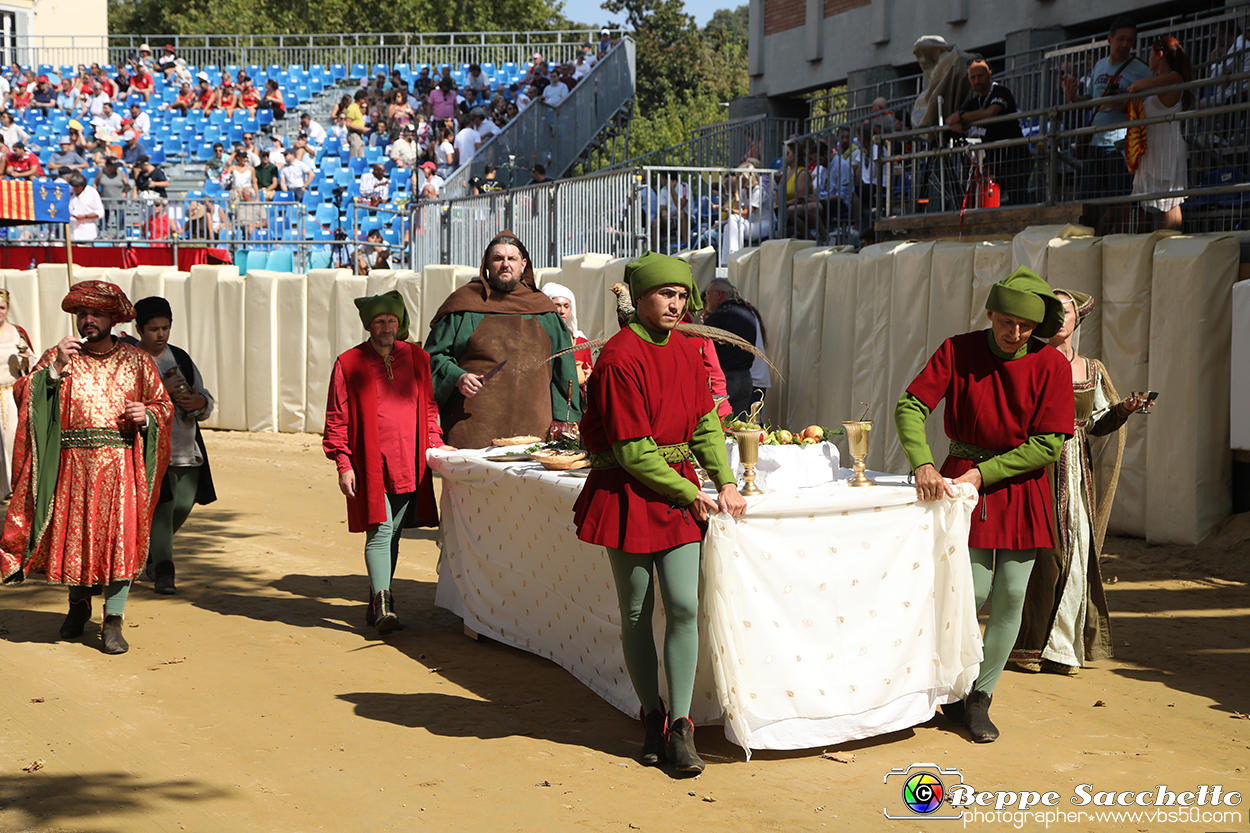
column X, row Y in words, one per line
column 349, row 49
column 726, row 144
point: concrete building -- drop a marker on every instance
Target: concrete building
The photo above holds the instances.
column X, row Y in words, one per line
column 53, row 31
column 798, row 46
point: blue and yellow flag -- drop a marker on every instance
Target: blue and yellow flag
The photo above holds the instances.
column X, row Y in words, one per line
column 44, row 201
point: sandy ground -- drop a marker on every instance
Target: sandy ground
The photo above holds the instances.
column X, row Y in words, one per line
column 256, row 700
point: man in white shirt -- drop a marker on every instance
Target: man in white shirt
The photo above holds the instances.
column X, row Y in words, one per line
column 524, row 97
column 307, row 127
column 293, row 175
column 488, row 128
column 431, row 184
column 140, row 123
column 85, row 209
column 374, row 186
column 403, row 150
column 468, row 140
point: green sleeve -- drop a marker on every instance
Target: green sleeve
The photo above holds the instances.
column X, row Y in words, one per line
column 642, row 460
column 44, row 432
column 909, row 417
column 446, row 343
column 564, row 371
column 1037, row 451
column 708, row 445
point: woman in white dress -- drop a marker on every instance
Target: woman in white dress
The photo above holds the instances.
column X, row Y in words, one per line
column 16, row 357
column 1162, row 166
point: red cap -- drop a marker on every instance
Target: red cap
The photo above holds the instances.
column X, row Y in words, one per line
column 42, row 79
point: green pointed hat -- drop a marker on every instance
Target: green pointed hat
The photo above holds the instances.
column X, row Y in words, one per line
column 391, row 302
column 1023, row 294
column 654, row 270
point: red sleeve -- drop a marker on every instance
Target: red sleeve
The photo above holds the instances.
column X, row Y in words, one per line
column 624, row 408
column 334, row 440
column 933, row 382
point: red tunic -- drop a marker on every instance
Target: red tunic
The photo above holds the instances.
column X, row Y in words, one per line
column 583, row 357
column 997, row 405
column 639, row 390
column 381, row 428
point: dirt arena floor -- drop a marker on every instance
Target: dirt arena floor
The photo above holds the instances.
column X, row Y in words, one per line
column 256, row 700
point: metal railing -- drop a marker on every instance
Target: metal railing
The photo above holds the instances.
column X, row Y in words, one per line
column 725, row 144
column 555, row 137
column 688, row 208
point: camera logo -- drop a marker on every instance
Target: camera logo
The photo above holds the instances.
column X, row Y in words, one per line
column 924, row 789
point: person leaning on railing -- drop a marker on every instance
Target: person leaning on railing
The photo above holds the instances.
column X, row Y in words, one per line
column 1162, row 166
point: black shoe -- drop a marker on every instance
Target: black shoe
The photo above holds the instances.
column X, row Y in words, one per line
column 164, row 583
column 680, row 751
column 114, row 642
column 148, row 570
column 954, row 712
column 977, row 717
column 78, row 616
column 370, row 618
column 656, row 724
column 385, row 619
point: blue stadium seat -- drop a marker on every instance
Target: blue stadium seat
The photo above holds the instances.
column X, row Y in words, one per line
column 213, row 189
column 241, row 259
column 263, row 117
column 282, row 261
column 157, row 155
column 358, row 71
column 319, row 260
column 380, row 68
column 339, row 72
column 327, row 215
column 357, row 165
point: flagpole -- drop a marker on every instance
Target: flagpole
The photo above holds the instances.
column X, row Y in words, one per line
column 69, row 256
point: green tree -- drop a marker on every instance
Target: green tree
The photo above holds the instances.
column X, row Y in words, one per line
column 728, row 25
column 668, row 48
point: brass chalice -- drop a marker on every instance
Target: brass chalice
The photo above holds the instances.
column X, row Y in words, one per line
column 857, row 438
column 749, row 451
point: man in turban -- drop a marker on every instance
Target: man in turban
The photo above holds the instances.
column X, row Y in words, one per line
column 649, row 416
column 500, row 316
column 91, row 451
column 1009, row 408
column 380, row 421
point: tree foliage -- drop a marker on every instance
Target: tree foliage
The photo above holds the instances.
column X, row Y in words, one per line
column 301, row 17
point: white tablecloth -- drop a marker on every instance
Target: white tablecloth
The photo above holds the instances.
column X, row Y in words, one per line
column 828, row 614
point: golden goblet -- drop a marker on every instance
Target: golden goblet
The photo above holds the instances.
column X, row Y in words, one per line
column 857, row 438
column 749, row 451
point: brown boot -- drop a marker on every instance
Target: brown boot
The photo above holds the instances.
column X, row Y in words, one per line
column 114, row 642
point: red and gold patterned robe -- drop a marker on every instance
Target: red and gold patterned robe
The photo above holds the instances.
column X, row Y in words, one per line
column 86, row 480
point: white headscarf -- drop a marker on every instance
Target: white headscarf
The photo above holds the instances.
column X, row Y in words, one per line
column 558, row 290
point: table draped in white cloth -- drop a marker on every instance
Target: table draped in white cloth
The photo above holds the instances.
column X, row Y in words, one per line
column 828, row 614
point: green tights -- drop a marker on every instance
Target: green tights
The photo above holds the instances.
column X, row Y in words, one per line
column 1008, row 581
column 678, row 571
column 382, row 543
column 170, row 514
column 115, row 595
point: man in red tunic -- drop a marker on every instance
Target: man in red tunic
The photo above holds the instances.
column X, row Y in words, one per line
column 1009, row 408
column 91, row 450
column 650, row 415
column 380, row 421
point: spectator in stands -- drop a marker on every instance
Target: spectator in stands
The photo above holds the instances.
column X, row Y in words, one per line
column 1105, row 173
column 441, row 102
column 490, row 182
column 132, row 148
column 1162, row 166
column 354, row 119
column 266, row 178
column 250, row 215
column 423, row 84
column 423, row 132
column 240, row 176
column 476, row 86
column 6, row 91
column 445, row 153
column 67, row 96
column 181, row 74
column 294, row 176
column 523, row 99
column 214, row 166
column 205, row 219
column 303, row 152
column 581, row 69
column 22, row 98
column 274, row 100
column 433, row 184
column 150, row 180
column 145, row 57
column 489, row 127
column 512, row 110
column 555, row 92
column 840, row 181
column 184, row 101
column 605, row 41
column 869, row 179
column 206, row 97
column 141, row 82
column 1009, row 165
column 11, row 133
column 398, row 114
column 228, row 97
column 74, row 130
column 85, row 209
column 43, row 99
column 68, row 156
column 341, row 107
column 374, row 185
column 338, row 134
column 168, row 62
column 468, row 140
column 310, row 130
column 539, row 174
column 123, row 79
column 749, row 217
column 373, row 253
column 252, row 150
column 249, row 96
column 277, row 151
column 21, row 163
column 404, row 149
column 114, row 185
column 160, row 225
